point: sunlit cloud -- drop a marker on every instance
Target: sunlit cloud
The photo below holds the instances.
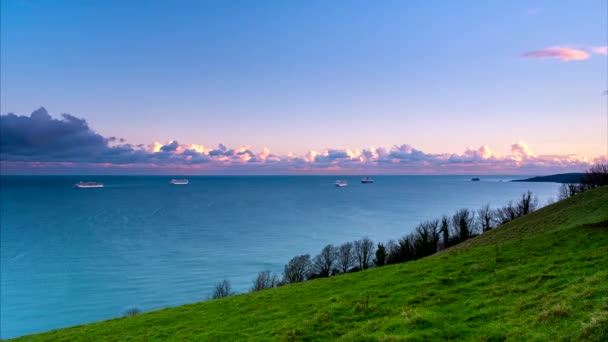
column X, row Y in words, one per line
column 565, row 54
column 40, row 142
column 600, row 50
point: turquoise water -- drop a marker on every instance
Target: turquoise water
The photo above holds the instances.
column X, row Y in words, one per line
column 71, row 256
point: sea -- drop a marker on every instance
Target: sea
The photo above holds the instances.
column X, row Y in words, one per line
column 72, row 256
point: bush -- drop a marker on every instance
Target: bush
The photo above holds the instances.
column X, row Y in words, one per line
column 380, row 259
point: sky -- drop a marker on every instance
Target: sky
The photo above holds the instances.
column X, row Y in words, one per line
column 267, row 87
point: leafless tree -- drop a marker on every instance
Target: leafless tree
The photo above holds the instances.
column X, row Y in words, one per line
column 297, row 270
column 567, row 190
column 527, row 204
column 346, row 257
column 221, row 290
column 505, row 214
column 511, row 211
column 264, row 280
column 364, row 251
column 597, row 175
column 326, row 261
column 484, row 218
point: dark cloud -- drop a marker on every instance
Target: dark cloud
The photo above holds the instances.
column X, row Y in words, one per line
column 39, row 137
column 171, row 147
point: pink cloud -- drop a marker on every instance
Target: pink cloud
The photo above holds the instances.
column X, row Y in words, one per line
column 402, row 159
column 600, row 50
column 562, row 53
column 70, row 145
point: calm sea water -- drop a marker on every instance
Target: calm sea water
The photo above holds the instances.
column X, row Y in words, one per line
column 72, row 256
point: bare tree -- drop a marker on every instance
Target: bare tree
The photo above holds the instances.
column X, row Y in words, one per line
column 511, row 211
column 221, row 290
column 485, row 218
column 597, row 175
column 345, row 257
column 527, row 204
column 297, row 270
column 505, row 214
column 264, row 280
column 324, row 262
column 463, row 224
column 567, row 190
column 364, row 250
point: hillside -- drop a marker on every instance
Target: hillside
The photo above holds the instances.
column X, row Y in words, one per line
column 540, row 277
column 558, row 178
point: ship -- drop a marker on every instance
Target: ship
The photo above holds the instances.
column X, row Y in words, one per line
column 367, row 180
column 179, row 181
column 90, row 184
column 341, row 183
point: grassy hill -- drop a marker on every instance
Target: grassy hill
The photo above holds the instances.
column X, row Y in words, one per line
column 540, row 277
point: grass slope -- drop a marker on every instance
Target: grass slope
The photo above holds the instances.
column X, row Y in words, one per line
column 541, row 277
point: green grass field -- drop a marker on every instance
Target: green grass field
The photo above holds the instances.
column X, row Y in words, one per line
column 541, row 277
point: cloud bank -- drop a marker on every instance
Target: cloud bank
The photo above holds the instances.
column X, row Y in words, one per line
column 40, row 143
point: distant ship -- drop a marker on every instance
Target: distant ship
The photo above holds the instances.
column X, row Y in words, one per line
column 179, row 181
column 475, row 179
column 367, row 180
column 341, row 183
column 88, row 185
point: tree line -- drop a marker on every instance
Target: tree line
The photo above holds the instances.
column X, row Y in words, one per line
column 428, row 238
column 595, row 176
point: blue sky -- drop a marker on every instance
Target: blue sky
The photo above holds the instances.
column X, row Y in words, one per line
column 312, row 75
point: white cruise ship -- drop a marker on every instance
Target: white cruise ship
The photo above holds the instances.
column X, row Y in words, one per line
column 179, row 181
column 88, row 185
column 341, row 183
